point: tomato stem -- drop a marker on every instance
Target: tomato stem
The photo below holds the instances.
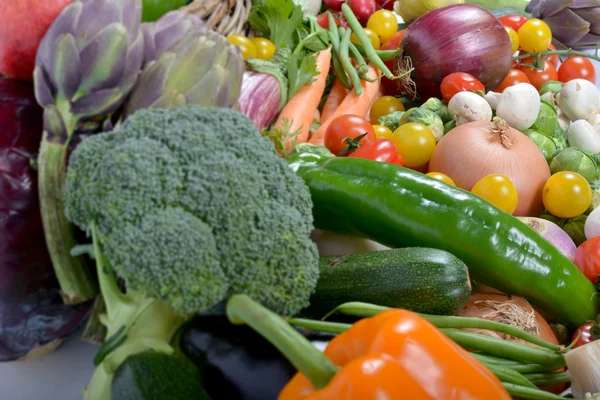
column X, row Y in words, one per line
column 537, row 61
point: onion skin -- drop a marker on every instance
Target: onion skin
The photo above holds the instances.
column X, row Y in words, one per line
column 471, row 151
column 457, row 38
column 552, row 233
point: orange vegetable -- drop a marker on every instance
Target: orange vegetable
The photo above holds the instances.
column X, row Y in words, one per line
column 300, row 109
column 352, row 104
column 336, row 96
column 398, row 355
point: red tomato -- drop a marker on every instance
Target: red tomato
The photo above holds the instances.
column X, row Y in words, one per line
column 347, row 127
column 363, row 9
column 393, row 43
column 340, row 19
column 513, row 20
column 587, row 258
column 335, row 5
column 382, row 150
column 537, row 77
column 514, row 77
column 323, row 21
column 459, row 82
column 585, row 336
column 575, row 68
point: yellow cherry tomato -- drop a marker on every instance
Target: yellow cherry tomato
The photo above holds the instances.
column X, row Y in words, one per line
column 415, row 143
column 383, row 132
column 264, row 48
column 534, row 36
column 441, row 177
column 567, row 194
column 499, row 190
column 247, row 48
column 373, row 37
column 384, row 23
column 383, row 106
column 514, row 38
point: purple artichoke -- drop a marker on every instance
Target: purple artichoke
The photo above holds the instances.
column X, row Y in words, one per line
column 574, row 23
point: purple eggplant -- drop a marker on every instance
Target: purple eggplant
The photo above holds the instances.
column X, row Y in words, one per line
column 33, row 318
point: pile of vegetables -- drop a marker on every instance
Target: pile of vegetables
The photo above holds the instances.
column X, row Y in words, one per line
column 420, row 197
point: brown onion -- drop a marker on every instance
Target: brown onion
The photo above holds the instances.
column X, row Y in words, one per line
column 476, row 149
column 457, row 38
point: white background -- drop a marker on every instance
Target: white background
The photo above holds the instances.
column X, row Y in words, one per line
column 62, row 374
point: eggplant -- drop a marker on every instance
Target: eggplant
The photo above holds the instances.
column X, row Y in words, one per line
column 33, row 318
column 235, row 362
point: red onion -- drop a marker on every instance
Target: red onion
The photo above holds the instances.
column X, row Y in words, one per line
column 457, row 38
column 552, row 233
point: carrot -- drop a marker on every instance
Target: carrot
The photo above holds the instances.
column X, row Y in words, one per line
column 352, row 104
column 335, row 98
column 300, row 109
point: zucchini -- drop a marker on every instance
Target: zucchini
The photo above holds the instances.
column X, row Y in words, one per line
column 157, row 376
column 424, row 280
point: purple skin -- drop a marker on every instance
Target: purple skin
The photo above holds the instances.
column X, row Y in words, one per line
column 552, row 233
column 260, row 98
column 33, row 317
column 470, row 40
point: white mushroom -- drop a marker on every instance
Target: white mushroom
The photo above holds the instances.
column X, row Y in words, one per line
column 584, row 136
column 492, row 98
column 469, row 107
column 579, row 99
column 519, row 106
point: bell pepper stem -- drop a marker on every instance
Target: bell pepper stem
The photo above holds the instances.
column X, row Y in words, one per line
column 319, row 370
column 74, row 277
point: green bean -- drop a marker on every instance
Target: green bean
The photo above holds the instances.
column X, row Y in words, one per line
column 527, row 393
column 364, row 40
column 447, row 321
column 366, row 78
column 502, row 348
column 320, row 326
column 347, row 64
column 509, row 376
column 335, row 48
column 361, row 64
column 548, row 378
column 518, row 366
column 486, row 358
column 385, row 55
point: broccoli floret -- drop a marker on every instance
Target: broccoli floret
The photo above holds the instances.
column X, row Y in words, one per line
column 189, row 206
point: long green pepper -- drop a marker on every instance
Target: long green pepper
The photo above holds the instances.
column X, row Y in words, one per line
column 399, row 207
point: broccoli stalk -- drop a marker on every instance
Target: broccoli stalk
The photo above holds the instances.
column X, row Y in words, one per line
column 134, row 324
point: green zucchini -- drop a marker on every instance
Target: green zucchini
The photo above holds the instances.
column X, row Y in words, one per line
column 157, row 376
column 423, row 280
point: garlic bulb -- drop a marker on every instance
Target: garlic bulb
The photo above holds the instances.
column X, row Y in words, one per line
column 583, row 369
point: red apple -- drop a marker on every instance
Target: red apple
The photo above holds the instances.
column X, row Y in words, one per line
column 23, row 24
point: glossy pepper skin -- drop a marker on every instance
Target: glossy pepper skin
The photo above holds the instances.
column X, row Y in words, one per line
column 398, row 207
column 33, row 317
column 399, row 355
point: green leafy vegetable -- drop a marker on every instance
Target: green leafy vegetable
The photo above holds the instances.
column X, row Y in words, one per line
column 277, row 20
column 547, row 119
column 302, row 70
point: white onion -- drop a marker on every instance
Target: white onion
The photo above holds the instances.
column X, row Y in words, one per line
column 592, row 224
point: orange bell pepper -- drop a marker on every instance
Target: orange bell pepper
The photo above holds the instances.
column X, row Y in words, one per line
column 393, row 355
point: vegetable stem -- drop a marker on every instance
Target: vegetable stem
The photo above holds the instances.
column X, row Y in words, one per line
column 527, row 393
column 568, row 53
column 300, row 352
column 347, row 64
column 503, row 348
column 72, row 273
column 368, row 310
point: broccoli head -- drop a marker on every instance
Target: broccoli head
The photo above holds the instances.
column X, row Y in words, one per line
column 192, row 205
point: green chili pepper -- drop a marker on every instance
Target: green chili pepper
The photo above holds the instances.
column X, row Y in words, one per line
column 399, row 207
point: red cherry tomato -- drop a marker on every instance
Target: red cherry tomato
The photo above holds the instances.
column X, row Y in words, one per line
column 577, row 68
column 347, row 126
column 340, row 19
column 393, row 43
column 335, row 5
column 459, row 82
column 514, row 77
column 382, row 150
column 584, row 335
column 587, row 258
column 323, row 21
column 362, row 9
column 513, row 20
column 537, row 77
